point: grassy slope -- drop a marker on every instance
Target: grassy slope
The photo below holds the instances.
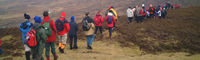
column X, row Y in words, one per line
column 170, row 39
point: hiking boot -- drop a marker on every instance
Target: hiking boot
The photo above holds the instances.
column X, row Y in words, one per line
column 62, row 51
column 70, row 48
column 75, row 47
column 55, row 58
column 89, row 47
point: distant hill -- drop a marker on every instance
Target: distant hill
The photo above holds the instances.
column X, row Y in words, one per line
column 11, row 11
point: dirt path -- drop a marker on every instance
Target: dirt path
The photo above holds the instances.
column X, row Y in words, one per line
column 110, row 50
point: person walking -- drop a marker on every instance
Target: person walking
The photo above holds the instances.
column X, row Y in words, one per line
column 98, row 21
column 129, row 14
column 110, row 19
column 62, row 26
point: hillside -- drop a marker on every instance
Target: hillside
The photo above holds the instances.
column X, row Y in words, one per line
column 173, row 38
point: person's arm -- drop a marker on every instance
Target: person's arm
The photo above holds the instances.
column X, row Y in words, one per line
column 101, row 19
column 67, row 26
column 53, row 26
column 114, row 20
column 106, row 19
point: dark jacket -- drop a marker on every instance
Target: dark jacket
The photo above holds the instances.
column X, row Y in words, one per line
column 73, row 28
column 89, row 19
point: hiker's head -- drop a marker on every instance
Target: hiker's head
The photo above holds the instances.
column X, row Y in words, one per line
column 63, row 14
column 45, row 13
column 26, row 16
column 136, row 6
column 87, row 13
column 143, row 5
column 72, row 18
column 37, row 19
column 150, row 5
column 129, row 7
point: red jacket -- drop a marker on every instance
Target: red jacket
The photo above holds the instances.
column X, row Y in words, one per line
column 98, row 20
column 142, row 12
column 113, row 21
column 51, row 38
column 66, row 28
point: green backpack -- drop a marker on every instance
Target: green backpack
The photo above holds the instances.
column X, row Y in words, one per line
column 47, row 28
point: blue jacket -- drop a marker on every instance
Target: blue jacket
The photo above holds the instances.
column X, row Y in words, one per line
column 25, row 31
column 73, row 28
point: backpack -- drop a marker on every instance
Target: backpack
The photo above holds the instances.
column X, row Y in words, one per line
column 24, row 25
column 85, row 25
column 110, row 19
column 30, row 38
column 60, row 24
column 47, row 27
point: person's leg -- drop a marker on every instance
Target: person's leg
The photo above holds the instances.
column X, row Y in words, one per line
column 110, row 32
column 96, row 29
column 92, row 38
column 47, row 50
column 53, row 50
column 71, row 41
column 129, row 20
column 101, row 30
column 27, row 52
column 64, row 41
column 41, row 49
column 88, row 40
column 75, row 41
column 60, row 41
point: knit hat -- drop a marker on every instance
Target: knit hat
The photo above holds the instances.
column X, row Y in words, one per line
column 63, row 14
column 26, row 16
column 37, row 19
column 151, row 5
column 45, row 13
column 72, row 18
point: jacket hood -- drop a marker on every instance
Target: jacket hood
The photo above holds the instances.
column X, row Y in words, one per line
column 63, row 14
column 72, row 18
column 37, row 19
column 46, row 19
column 110, row 14
column 98, row 14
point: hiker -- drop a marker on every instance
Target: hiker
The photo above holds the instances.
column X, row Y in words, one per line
column 143, row 12
column 151, row 10
column 62, row 26
column 0, row 47
column 163, row 13
column 98, row 21
column 110, row 19
column 73, row 33
column 138, row 16
column 160, row 12
column 50, row 43
column 129, row 14
column 39, row 33
column 111, row 8
column 25, row 28
column 89, row 29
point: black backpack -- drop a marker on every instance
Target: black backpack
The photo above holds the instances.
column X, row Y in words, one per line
column 85, row 25
column 24, row 25
column 60, row 24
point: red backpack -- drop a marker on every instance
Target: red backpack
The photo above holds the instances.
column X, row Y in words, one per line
column 31, row 38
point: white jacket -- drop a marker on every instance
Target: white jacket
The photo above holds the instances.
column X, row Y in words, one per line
column 129, row 12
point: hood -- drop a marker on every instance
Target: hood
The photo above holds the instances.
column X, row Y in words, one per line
column 72, row 18
column 98, row 14
column 110, row 14
column 37, row 19
column 63, row 14
column 46, row 19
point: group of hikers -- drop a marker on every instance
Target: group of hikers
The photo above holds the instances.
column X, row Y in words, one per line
column 42, row 34
column 141, row 13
